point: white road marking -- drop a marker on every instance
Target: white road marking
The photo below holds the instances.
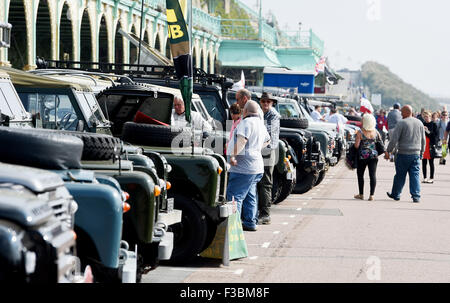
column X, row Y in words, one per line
column 285, row 223
column 304, row 203
column 265, row 244
column 292, row 216
column 276, row 232
column 239, row 272
column 253, row 257
column 300, row 207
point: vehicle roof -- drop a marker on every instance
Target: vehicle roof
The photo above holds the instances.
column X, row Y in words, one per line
column 25, row 79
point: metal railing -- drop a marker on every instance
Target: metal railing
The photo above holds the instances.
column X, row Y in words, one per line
column 206, row 22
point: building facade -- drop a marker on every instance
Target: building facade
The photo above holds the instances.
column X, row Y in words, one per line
column 89, row 30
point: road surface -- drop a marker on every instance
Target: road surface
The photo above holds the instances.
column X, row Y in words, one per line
column 325, row 235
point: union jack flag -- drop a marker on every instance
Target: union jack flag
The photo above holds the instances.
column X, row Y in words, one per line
column 320, row 66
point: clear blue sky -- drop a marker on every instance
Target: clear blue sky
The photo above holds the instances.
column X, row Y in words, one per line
column 410, row 37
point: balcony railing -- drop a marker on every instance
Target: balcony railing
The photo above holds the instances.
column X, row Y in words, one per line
column 206, row 22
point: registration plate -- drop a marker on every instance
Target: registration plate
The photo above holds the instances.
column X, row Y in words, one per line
column 289, row 176
column 170, row 204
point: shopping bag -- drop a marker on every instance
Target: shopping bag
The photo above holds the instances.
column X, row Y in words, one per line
column 229, row 241
column 444, row 150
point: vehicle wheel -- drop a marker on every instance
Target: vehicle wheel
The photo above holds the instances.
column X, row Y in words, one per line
column 305, row 181
column 320, row 177
column 294, row 123
column 286, row 188
column 97, row 146
column 277, row 184
column 190, row 234
column 155, row 135
column 41, row 148
column 211, row 233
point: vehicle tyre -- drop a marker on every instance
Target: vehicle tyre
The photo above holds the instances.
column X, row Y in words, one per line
column 306, row 181
column 320, row 177
column 47, row 149
column 98, row 146
column 294, row 123
column 285, row 189
column 190, row 234
column 277, row 184
column 155, row 135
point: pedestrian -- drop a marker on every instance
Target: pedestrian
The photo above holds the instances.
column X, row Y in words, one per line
column 316, row 115
column 435, row 117
column 432, row 139
column 247, row 164
column 367, row 154
column 393, row 118
column 442, row 125
column 178, row 118
column 236, row 116
column 382, row 124
column 272, row 122
column 409, row 139
column 420, row 115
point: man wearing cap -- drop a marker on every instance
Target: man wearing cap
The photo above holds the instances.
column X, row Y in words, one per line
column 270, row 153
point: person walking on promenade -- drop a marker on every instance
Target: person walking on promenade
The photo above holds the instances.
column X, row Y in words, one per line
column 272, row 122
column 409, row 138
column 442, row 125
column 247, row 164
column 392, row 119
column 381, row 124
column 432, row 139
column 367, row 154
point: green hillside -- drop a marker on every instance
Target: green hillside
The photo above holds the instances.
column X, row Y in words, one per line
column 379, row 79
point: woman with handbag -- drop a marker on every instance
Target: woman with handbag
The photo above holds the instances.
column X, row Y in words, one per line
column 366, row 143
column 432, row 139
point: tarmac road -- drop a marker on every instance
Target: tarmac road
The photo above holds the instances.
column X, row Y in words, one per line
column 325, row 235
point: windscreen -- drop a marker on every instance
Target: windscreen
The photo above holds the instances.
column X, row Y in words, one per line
column 10, row 104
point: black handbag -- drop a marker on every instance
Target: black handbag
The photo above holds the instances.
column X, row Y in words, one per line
column 379, row 145
column 436, row 151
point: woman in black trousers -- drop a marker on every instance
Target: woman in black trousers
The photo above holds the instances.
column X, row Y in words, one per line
column 367, row 154
column 432, row 139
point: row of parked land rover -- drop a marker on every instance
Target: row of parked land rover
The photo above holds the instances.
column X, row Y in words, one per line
column 96, row 186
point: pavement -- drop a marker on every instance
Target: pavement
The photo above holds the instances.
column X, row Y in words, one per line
column 325, row 235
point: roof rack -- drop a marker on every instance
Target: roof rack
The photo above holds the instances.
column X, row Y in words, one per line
column 165, row 72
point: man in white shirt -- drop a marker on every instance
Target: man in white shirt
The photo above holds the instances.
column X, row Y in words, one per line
column 316, row 115
column 247, row 164
column 336, row 117
column 178, row 118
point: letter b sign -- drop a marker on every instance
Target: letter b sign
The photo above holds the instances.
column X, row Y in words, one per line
column 175, row 31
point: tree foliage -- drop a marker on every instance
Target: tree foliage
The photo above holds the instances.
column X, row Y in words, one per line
column 380, row 80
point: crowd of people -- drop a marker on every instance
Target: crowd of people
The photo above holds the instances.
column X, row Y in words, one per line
column 414, row 140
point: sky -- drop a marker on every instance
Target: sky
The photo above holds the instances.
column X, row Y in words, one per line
column 410, row 37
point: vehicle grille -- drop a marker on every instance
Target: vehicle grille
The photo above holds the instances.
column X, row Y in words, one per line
column 61, row 202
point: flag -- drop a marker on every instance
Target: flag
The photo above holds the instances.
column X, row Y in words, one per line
column 181, row 52
column 240, row 84
column 365, row 105
column 320, row 66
